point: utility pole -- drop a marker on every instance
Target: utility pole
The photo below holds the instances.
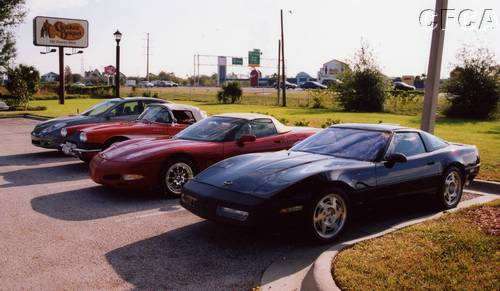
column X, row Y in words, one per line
column 147, row 58
column 434, row 68
column 198, row 77
column 278, row 82
column 61, row 75
column 194, row 70
column 283, row 60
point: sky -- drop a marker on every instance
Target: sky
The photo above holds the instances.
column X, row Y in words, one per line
column 316, row 31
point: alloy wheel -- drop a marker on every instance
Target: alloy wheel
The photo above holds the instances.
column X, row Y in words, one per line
column 177, row 175
column 452, row 188
column 329, row 215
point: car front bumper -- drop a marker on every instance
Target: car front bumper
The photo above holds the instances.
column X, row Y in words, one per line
column 47, row 142
column 72, row 149
column 111, row 173
column 226, row 206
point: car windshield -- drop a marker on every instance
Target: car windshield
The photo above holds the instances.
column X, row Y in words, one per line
column 345, row 143
column 215, row 128
column 156, row 114
column 100, row 108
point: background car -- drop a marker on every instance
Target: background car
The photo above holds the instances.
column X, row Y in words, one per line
column 331, row 82
column 159, row 120
column 3, row 106
column 403, row 86
column 145, row 84
column 312, row 85
column 168, row 164
column 319, row 180
column 289, row 85
column 48, row 133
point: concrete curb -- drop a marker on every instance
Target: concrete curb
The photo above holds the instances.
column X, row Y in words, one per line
column 320, row 277
column 485, row 186
column 28, row 116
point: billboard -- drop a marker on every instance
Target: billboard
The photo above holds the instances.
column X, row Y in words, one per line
column 53, row 31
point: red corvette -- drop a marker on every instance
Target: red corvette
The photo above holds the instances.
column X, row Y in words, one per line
column 167, row 164
column 158, row 120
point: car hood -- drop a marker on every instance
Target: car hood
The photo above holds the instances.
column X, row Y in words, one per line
column 147, row 149
column 104, row 126
column 69, row 120
column 264, row 174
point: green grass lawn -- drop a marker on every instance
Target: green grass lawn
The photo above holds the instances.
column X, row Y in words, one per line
column 484, row 134
column 450, row 253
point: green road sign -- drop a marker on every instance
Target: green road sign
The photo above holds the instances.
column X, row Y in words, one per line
column 254, row 58
column 237, row 61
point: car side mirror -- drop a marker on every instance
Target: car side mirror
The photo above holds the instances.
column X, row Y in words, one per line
column 396, row 158
column 246, row 138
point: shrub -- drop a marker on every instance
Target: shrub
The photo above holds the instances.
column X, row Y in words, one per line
column 231, row 92
column 318, row 98
column 474, row 85
column 93, row 91
column 284, row 120
column 301, row 123
column 363, row 87
column 146, row 94
column 329, row 122
column 23, row 83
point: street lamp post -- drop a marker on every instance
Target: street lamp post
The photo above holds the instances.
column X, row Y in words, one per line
column 118, row 37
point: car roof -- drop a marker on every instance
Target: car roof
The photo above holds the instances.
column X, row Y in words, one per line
column 280, row 127
column 140, row 99
column 247, row 116
column 372, row 126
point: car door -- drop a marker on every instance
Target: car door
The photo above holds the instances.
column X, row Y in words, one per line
column 266, row 138
column 410, row 177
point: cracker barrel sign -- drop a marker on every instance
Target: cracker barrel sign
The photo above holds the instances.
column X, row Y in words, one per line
column 52, row 31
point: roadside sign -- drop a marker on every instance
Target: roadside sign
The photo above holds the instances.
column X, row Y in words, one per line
column 237, row 61
column 254, row 58
column 109, row 70
column 61, row 32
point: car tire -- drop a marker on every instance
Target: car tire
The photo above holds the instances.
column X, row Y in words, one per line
column 324, row 224
column 451, row 189
column 175, row 173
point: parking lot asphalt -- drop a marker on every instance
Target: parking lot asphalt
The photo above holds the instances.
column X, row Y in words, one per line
column 59, row 230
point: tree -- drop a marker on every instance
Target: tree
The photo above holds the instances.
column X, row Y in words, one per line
column 23, row 83
column 474, row 85
column 77, row 78
column 68, row 75
column 12, row 13
column 363, row 87
column 231, row 92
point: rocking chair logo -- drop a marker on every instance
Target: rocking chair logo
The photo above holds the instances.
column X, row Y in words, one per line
column 70, row 31
column 48, row 31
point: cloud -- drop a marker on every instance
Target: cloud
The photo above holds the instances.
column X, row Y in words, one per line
column 45, row 7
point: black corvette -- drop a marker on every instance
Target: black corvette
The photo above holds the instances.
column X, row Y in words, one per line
column 318, row 180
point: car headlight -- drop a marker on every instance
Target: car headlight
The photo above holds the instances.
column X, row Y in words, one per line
column 64, row 132
column 83, row 137
column 54, row 127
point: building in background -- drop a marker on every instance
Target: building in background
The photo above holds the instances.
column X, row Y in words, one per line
column 50, row 77
column 330, row 70
column 303, row 77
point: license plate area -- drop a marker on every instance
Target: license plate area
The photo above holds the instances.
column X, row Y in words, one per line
column 68, row 148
